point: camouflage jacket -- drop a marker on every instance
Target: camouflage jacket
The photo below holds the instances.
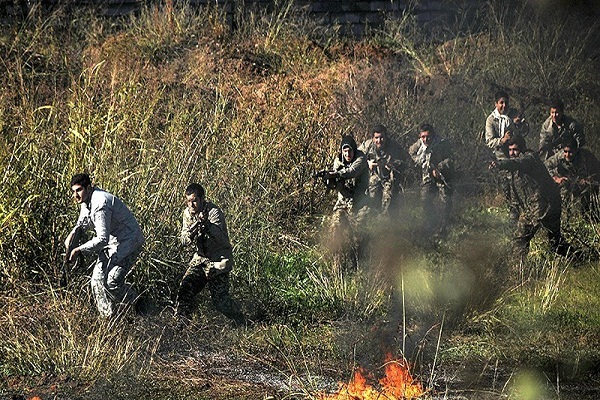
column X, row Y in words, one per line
column 438, row 155
column 552, row 136
column 352, row 181
column 534, row 190
column 583, row 166
column 212, row 240
column 388, row 158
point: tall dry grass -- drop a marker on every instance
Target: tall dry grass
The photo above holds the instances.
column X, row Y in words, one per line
column 152, row 102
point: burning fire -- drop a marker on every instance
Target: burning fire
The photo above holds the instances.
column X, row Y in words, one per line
column 397, row 384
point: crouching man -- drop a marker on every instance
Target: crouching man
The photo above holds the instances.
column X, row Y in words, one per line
column 538, row 199
column 204, row 228
column 117, row 243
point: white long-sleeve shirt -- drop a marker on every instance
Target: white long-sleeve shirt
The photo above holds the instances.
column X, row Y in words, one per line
column 115, row 226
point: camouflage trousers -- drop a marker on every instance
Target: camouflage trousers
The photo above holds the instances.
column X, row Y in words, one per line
column 580, row 200
column 108, row 281
column 435, row 217
column 203, row 275
column 530, row 222
column 347, row 232
column 384, row 194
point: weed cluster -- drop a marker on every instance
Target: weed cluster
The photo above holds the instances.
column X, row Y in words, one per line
column 149, row 103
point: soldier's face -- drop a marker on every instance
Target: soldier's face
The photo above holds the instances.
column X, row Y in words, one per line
column 556, row 114
column 348, row 154
column 569, row 153
column 426, row 137
column 194, row 203
column 502, row 105
column 514, row 151
column 81, row 194
column 378, row 139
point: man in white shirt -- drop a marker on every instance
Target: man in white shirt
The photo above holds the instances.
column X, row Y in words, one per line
column 117, row 243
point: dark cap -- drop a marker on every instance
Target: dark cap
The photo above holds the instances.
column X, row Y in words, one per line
column 348, row 141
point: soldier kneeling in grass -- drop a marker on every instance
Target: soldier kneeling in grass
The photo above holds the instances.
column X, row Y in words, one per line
column 537, row 197
column 577, row 173
column 204, row 228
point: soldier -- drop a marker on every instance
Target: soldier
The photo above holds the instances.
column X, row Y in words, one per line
column 500, row 125
column 204, row 228
column 558, row 129
column 384, row 160
column 432, row 154
column 537, row 196
column 117, row 243
column 577, row 172
column 350, row 178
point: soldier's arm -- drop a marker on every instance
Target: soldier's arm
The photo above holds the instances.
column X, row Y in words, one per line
column 215, row 226
column 394, row 160
column 446, row 164
column 413, row 151
column 577, row 130
column 552, row 165
column 188, row 229
column 357, row 167
column 102, row 216
column 524, row 163
column 546, row 137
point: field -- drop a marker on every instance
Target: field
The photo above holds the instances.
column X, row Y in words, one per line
column 150, row 102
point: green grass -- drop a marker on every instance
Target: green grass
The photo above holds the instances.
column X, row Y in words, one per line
column 148, row 103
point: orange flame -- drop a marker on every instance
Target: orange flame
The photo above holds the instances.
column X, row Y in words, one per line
column 397, row 384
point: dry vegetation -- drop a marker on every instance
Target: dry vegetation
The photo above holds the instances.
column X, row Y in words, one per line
column 150, row 102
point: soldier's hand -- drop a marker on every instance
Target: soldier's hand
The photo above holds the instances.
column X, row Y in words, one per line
column 372, row 164
column 74, row 253
column 330, row 175
column 68, row 240
column 561, row 180
column 506, row 137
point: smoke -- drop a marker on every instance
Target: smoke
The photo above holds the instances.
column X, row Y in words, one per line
column 437, row 282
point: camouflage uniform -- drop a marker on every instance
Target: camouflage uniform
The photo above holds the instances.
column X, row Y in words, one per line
column 583, row 173
column 351, row 181
column 438, row 155
column 384, row 180
column 552, row 136
column 210, row 264
column 538, row 200
column 496, row 125
column 117, row 243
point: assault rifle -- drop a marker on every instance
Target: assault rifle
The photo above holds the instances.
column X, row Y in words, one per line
column 70, row 266
column 442, row 179
column 440, row 176
column 384, row 168
column 328, row 177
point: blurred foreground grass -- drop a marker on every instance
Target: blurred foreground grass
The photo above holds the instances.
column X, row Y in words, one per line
column 151, row 102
